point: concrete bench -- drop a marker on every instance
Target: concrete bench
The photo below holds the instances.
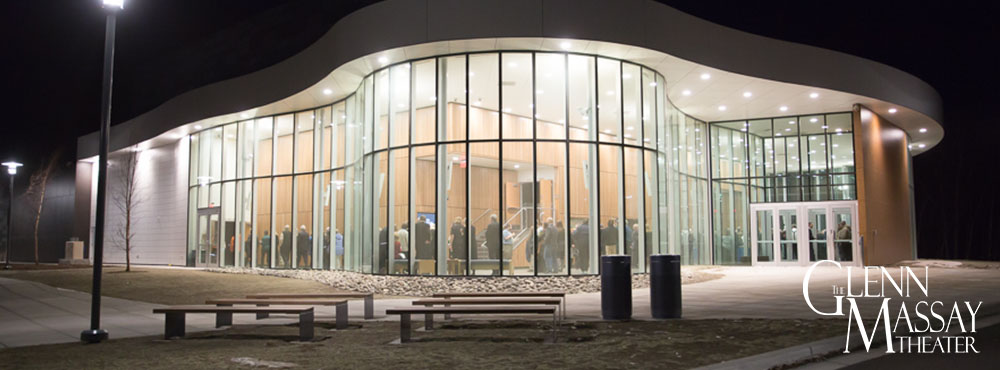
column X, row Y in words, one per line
column 369, row 298
column 223, row 320
column 174, row 326
column 492, row 301
column 429, row 312
column 560, row 295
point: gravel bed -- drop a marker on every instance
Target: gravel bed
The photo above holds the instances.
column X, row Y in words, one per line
column 419, row 286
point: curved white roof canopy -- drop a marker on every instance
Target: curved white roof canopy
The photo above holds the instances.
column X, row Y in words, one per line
column 804, row 79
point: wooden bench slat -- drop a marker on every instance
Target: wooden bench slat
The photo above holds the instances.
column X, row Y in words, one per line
column 308, row 295
column 502, row 294
column 316, row 301
column 470, row 310
column 488, row 301
column 231, row 309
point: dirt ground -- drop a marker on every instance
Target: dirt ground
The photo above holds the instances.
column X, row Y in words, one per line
column 466, row 344
column 167, row 286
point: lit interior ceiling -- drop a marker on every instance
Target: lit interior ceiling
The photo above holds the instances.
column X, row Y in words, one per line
column 700, row 91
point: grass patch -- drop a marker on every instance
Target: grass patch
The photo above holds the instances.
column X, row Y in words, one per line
column 168, row 286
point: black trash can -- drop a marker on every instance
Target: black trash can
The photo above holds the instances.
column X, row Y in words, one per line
column 665, row 286
column 616, row 287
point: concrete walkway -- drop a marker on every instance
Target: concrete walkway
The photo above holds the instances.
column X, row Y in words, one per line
column 32, row 313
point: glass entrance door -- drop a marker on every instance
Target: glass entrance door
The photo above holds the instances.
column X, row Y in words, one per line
column 802, row 233
column 207, row 254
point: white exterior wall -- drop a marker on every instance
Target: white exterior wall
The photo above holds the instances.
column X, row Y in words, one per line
column 160, row 219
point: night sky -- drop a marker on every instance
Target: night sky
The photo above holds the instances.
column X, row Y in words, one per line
column 52, row 62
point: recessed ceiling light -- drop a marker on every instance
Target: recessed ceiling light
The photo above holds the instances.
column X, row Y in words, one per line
column 517, row 166
column 923, row 130
column 747, row 94
column 788, row 129
column 813, row 120
column 565, row 45
column 705, row 76
column 783, row 108
column 686, row 92
column 245, row 115
column 327, row 91
column 813, row 95
column 892, row 110
column 472, row 74
column 652, row 84
column 922, row 146
column 197, row 127
column 539, row 92
column 792, row 122
column 383, row 60
column 630, row 128
column 512, row 65
column 626, row 76
column 722, row 107
column 608, row 131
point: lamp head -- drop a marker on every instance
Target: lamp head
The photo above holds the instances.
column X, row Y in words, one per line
column 114, row 4
column 12, row 167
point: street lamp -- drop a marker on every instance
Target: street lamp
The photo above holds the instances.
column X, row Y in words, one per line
column 11, row 170
column 96, row 334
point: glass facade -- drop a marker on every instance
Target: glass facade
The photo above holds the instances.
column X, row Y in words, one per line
column 775, row 160
column 491, row 163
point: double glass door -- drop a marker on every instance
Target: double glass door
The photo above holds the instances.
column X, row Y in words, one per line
column 801, row 233
column 207, row 253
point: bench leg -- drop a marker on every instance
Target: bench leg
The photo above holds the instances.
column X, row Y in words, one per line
column 342, row 316
column 306, row 326
column 369, row 307
column 262, row 315
column 429, row 321
column 223, row 318
column 404, row 328
column 174, row 327
column 447, row 316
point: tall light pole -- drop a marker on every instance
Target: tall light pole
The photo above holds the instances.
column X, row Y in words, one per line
column 11, row 170
column 96, row 334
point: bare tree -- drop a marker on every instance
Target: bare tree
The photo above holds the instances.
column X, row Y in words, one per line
column 35, row 195
column 126, row 199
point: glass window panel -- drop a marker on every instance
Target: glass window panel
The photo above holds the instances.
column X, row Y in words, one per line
column 816, row 154
column 381, row 108
column 215, row 159
column 229, row 163
column 246, row 148
column 338, row 147
column 649, row 112
column 424, row 97
column 648, row 223
column 582, row 110
column 550, row 95
column 338, row 218
column 303, row 247
column 519, row 207
column 551, row 204
column 765, row 236
column 323, row 139
column 484, row 202
column 283, row 220
column 583, row 207
column 229, row 223
column 517, row 86
column 843, row 237
column 632, row 104
column 284, row 148
column 609, row 99
column 400, row 104
column 304, row 141
column 322, row 217
column 262, row 222
column 610, row 186
column 451, row 85
column 484, row 90
column 423, row 185
column 244, row 221
column 811, row 125
column 632, row 228
column 788, row 229
column 379, row 211
column 841, row 152
column 452, row 248
column 195, row 160
column 366, row 113
column 399, row 212
column 840, row 122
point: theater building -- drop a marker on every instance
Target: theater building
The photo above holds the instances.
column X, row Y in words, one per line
column 528, row 138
